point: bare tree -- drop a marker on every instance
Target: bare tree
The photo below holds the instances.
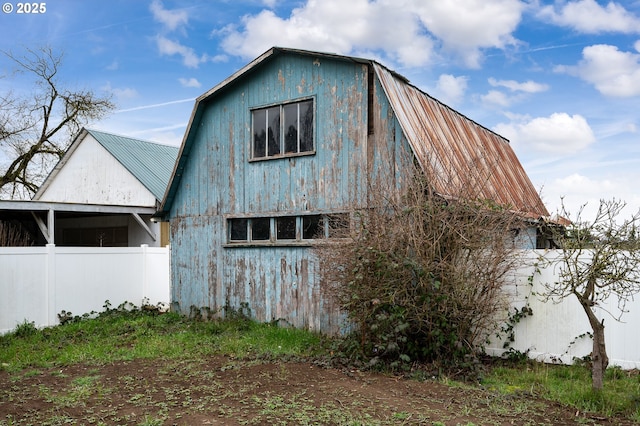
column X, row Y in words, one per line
column 36, row 129
column 599, row 259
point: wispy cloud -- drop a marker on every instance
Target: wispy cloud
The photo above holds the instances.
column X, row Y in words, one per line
column 113, row 66
column 171, row 19
column 515, row 86
column 162, row 104
column 121, row 93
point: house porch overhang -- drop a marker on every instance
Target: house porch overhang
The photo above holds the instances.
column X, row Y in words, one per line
column 38, row 209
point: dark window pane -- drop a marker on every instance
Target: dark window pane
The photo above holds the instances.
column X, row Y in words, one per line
column 273, row 115
column 312, row 227
column 259, row 133
column 306, row 126
column 286, row 228
column 290, row 128
column 260, row 229
column 238, row 229
column 338, row 225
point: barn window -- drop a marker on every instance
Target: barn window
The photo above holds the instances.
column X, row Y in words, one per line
column 238, row 229
column 282, row 130
column 260, row 229
column 286, row 229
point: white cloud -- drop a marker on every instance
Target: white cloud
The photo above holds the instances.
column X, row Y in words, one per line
column 170, row 48
column 527, row 86
column 462, row 26
column 171, row 19
column 451, row 89
column 496, row 97
column 578, row 184
column 559, row 134
column 518, row 91
column 334, row 26
column 189, row 82
column 578, row 191
column 611, row 71
column 403, row 30
column 588, row 16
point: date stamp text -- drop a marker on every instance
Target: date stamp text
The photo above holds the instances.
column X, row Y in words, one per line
column 34, row 8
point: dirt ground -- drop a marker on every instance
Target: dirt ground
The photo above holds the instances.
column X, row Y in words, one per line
column 220, row 390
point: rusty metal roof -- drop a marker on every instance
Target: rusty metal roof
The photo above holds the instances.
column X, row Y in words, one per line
column 461, row 157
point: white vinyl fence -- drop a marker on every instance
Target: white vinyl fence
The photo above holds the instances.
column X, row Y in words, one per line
column 38, row 283
column 558, row 332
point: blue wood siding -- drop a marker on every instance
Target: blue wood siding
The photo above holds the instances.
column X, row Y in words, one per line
column 219, row 181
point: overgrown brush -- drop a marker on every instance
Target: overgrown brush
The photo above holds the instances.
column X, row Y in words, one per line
column 421, row 276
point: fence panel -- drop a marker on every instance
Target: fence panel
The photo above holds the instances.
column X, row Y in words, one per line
column 37, row 283
column 560, row 332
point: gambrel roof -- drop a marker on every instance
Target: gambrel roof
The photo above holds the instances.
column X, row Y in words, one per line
column 452, row 149
column 456, row 152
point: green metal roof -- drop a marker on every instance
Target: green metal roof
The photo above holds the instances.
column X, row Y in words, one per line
column 151, row 163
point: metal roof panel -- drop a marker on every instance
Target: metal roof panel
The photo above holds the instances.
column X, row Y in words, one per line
column 151, row 163
column 458, row 154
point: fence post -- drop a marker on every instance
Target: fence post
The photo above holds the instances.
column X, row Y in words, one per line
column 50, row 285
column 145, row 275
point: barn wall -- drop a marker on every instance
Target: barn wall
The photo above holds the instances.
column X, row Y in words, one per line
column 277, row 282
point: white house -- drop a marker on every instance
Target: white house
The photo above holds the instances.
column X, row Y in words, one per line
column 103, row 192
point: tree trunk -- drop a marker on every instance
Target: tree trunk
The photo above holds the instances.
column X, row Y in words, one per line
column 599, row 358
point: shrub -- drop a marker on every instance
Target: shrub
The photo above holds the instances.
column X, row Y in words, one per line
column 420, row 276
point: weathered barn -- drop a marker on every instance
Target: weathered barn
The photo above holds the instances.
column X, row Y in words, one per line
column 294, row 138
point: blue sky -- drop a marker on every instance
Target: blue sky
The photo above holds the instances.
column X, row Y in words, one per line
column 559, row 79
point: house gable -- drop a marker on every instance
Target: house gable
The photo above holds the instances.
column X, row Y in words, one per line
column 89, row 174
column 151, row 163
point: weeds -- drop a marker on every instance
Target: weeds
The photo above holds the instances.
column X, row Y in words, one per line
column 570, row 385
column 129, row 366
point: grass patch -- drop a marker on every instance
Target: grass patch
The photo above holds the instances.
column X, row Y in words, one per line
column 126, row 334
column 570, row 385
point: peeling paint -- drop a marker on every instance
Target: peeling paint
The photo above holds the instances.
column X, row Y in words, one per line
column 217, row 180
